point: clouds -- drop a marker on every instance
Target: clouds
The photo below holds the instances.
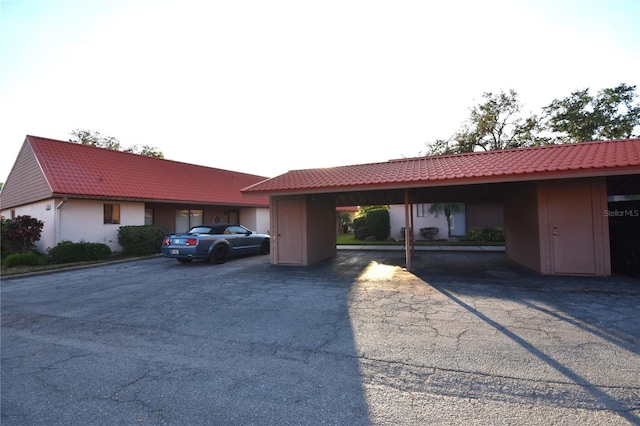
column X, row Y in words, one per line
column 290, row 85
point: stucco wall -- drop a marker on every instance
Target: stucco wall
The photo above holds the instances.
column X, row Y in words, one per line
column 79, row 220
column 558, row 227
column 256, row 219
column 484, row 213
column 321, row 231
column 397, row 220
column 44, row 211
column 574, row 232
column 521, row 226
column 82, row 220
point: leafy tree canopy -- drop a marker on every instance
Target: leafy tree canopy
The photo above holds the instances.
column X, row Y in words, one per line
column 609, row 114
column 498, row 122
column 93, row 138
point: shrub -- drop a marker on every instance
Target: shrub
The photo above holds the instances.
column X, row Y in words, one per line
column 430, row 233
column 362, row 233
column 486, row 234
column 378, row 223
column 20, row 234
column 69, row 252
column 32, row 258
column 141, row 240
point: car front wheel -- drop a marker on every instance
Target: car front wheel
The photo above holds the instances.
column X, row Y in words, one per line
column 219, row 254
column 265, row 247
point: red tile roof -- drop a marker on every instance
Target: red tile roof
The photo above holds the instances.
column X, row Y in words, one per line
column 547, row 162
column 80, row 170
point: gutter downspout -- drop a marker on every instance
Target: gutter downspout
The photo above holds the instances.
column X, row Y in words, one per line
column 56, row 237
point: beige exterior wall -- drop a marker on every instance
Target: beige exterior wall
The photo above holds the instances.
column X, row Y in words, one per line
column 256, row 219
column 559, row 227
column 79, row 220
column 83, row 220
column 484, row 213
column 397, row 221
column 26, row 183
column 585, row 251
column 321, row 230
column 522, row 233
column 44, row 211
column 302, row 229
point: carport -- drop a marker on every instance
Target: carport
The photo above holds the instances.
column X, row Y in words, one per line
column 555, row 200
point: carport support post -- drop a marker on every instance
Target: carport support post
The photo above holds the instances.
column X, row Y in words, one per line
column 407, row 230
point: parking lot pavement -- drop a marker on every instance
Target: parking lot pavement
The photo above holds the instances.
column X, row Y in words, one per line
column 464, row 338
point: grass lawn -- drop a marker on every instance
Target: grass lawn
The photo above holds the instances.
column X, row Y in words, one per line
column 349, row 239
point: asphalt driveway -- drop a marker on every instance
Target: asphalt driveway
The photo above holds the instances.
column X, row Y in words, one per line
column 466, row 338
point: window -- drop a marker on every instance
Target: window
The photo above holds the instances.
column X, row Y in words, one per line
column 187, row 219
column 148, row 216
column 235, row 230
column 421, row 210
column 112, row 213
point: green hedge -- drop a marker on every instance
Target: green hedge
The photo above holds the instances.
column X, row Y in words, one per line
column 32, row 258
column 141, row 240
column 486, row 234
column 379, row 223
column 69, row 252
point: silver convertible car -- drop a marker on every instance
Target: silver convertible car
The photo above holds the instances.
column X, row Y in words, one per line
column 214, row 243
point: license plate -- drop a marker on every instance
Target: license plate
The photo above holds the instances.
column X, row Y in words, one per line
column 175, row 251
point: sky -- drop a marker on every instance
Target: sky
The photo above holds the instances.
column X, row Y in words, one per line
column 264, row 87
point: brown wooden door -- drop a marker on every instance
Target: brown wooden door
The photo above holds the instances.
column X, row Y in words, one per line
column 571, row 228
column 289, row 240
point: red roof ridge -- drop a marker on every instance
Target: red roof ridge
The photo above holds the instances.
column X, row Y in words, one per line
column 49, row 140
column 506, row 150
column 86, row 171
column 618, row 156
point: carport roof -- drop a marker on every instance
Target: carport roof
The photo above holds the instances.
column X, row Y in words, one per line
column 586, row 159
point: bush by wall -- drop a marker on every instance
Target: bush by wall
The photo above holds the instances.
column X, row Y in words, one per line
column 141, row 240
column 362, row 233
column 378, row 223
column 32, row 258
column 20, row 234
column 69, row 252
column 430, row 233
column 486, row 234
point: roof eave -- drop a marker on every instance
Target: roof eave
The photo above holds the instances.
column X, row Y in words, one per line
column 534, row 176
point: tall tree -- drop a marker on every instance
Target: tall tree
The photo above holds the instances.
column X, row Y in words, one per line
column 610, row 114
column 149, row 151
column 496, row 123
column 93, row 138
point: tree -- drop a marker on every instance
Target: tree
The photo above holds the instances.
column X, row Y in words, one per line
column 449, row 209
column 20, row 234
column 146, row 150
column 496, row 123
column 610, row 114
column 93, row 138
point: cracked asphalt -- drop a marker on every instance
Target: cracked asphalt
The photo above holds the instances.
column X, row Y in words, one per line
column 464, row 338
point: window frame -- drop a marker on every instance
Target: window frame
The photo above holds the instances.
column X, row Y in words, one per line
column 111, row 214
